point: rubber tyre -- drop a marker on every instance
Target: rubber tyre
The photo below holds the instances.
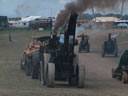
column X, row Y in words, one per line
column 50, row 75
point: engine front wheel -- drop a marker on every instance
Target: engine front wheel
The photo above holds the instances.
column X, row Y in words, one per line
column 43, row 68
column 50, row 75
column 125, row 77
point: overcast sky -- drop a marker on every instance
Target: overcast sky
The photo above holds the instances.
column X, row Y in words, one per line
column 13, row 8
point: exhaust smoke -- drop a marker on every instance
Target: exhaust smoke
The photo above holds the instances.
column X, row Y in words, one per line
column 79, row 6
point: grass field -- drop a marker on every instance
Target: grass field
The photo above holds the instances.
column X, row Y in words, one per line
column 23, row 30
column 5, row 33
column 98, row 81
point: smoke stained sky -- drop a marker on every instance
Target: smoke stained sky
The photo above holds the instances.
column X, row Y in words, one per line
column 79, row 6
column 13, row 8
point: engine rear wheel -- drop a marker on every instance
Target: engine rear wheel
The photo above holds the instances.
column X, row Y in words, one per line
column 73, row 80
column 113, row 73
column 35, row 64
column 50, row 74
column 28, row 66
column 43, row 67
column 80, row 76
column 39, row 74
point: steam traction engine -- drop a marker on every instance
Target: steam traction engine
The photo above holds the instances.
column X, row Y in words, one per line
column 121, row 72
column 84, row 45
column 60, row 63
column 110, row 46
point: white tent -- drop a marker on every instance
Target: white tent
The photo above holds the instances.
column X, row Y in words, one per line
column 30, row 18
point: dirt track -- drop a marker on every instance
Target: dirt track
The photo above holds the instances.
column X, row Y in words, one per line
column 13, row 82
